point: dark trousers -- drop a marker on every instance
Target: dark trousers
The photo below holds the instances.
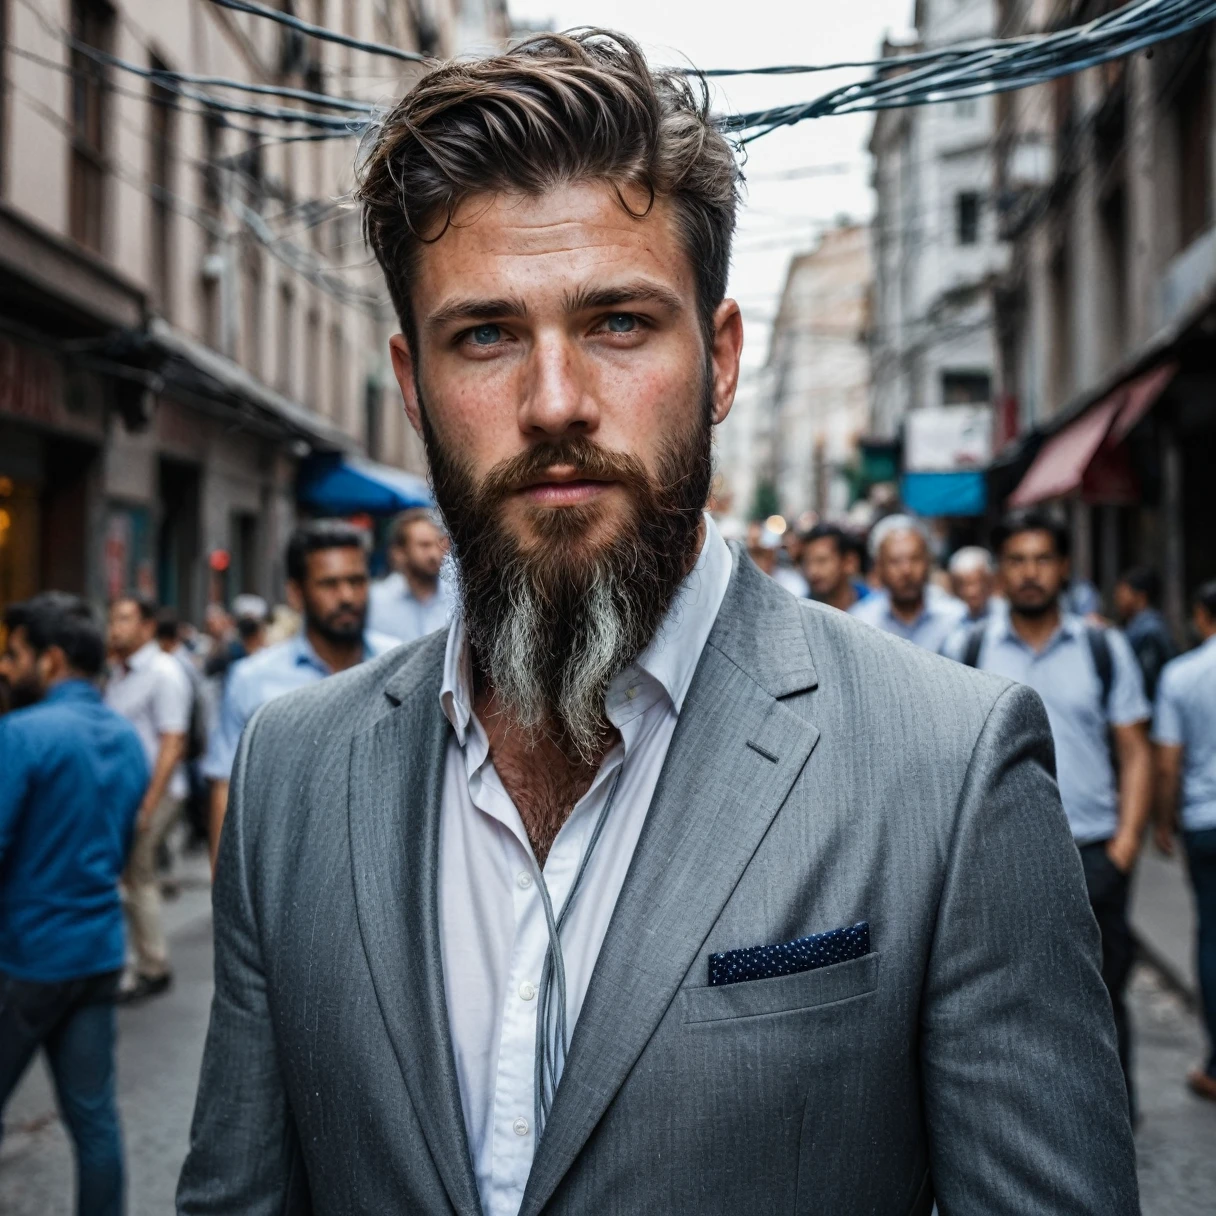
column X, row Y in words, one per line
column 1108, row 890
column 74, row 1023
column 1201, row 862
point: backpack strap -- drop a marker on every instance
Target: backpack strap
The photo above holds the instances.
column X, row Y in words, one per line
column 975, row 643
column 1104, row 664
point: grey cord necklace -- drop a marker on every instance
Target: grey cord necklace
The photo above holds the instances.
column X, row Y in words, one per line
column 552, row 1036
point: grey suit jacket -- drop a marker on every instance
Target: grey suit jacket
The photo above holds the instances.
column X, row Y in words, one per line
column 821, row 774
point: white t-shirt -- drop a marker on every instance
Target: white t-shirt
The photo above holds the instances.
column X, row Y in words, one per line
column 153, row 693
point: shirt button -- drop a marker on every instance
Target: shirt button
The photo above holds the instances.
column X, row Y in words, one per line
column 520, row 1127
column 527, row 990
column 523, row 880
column 631, row 692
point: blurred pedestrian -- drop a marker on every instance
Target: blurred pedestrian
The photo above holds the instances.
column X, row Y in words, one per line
column 789, row 564
column 762, row 546
column 906, row 605
column 830, row 566
column 1184, row 729
column 327, row 582
column 972, row 578
column 74, row 779
column 413, row 600
column 1137, row 601
column 195, row 804
column 1091, row 684
column 251, row 615
column 150, row 689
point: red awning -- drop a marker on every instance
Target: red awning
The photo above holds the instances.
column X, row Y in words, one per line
column 1059, row 468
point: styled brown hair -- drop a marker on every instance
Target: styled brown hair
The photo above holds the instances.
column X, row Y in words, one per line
column 556, row 108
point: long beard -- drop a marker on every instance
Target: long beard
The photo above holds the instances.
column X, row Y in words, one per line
column 551, row 625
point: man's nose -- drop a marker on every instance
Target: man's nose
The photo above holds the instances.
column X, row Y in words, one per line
column 556, row 396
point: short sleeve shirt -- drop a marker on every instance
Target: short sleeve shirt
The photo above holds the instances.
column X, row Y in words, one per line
column 1185, row 717
column 152, row 691
column 1064, row 675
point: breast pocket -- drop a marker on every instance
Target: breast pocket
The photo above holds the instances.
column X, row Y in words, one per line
column 783, row 994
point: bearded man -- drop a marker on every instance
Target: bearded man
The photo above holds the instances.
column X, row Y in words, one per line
column 644, row 886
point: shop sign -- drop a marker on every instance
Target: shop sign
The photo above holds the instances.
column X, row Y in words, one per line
column 951, row 438
column 27, row 383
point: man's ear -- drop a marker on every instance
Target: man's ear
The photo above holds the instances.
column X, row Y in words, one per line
column 295, row 597
column 404, row 369
column 724, row 357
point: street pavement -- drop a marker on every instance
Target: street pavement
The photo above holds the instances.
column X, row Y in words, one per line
column 160, row 1045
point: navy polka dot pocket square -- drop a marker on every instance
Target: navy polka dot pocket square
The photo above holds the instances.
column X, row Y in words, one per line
column 789, row 958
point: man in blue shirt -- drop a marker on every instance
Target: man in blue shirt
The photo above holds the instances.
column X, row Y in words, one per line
column 327, row 584
column 74, row 778
column 908, row 605
column 1091, row 685
column 1137, row 594
column 414, row 600
column 1184, row 729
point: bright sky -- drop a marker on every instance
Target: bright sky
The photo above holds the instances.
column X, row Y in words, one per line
column 780, row 216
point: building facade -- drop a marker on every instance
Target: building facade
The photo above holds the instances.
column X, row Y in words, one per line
column 816, row 387
column 937, row 249
column 188, row 318
column 1107, row 313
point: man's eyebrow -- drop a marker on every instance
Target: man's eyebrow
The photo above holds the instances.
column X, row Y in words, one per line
column 476, row 310
column 640, row 291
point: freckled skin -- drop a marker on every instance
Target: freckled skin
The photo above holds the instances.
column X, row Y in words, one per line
column 553, row 369
column 512, row 352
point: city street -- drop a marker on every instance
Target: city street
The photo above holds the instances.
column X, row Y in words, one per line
column 160, row 1045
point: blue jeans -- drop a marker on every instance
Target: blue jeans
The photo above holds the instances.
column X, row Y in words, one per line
column 74, row 1023
column 1201, row 861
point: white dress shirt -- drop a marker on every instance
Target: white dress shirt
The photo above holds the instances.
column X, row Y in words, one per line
column 153, row 693
column 493, row 933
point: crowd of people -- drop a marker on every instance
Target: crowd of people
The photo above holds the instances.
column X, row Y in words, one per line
column 112, row 739
column 1133, row 722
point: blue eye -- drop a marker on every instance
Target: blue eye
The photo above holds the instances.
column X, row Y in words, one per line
column 485, row 335
column 621, row 323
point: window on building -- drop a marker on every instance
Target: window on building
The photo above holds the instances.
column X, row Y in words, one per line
column 966, row 388
column 162, row 122
column 967, row 217
column 287, row 320
column 92, row 25
column 312, row 356
column 243, row 554
column 373, row 403
column 1193, row 120
column 209, row 170
column 337, row 374
column 251, row 306
column 1112, row 237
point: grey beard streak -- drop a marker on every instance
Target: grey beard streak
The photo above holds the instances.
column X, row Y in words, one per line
column 521, row 650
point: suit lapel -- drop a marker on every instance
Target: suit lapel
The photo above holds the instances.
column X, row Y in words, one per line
column 396, row 784
column 735, row 754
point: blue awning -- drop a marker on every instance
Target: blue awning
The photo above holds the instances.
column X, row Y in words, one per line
column 930, row 494
column 348, row 485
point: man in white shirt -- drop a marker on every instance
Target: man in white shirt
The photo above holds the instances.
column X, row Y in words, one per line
column 413, row 600
column 150, row 689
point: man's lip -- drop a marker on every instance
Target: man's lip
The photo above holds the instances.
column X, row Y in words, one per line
column 564, row 491
column 561, row 474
